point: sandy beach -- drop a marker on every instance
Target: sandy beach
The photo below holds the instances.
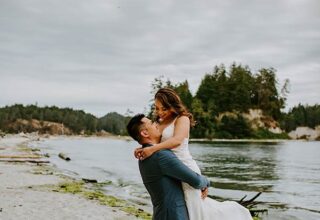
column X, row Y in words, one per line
column 27, row 190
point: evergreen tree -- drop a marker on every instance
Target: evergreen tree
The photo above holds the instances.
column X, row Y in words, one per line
column 184, row 93
column 266, row 96
column 240, row 87
column 300, row 116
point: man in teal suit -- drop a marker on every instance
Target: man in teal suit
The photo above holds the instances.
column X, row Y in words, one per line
column 162, row 173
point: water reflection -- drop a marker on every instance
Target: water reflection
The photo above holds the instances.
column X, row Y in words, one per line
column 238, row 166
column 286, row 173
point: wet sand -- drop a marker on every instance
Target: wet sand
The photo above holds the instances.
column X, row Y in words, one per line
column 27, row 193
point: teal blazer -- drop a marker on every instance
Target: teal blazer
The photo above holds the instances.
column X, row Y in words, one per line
column 162, row 174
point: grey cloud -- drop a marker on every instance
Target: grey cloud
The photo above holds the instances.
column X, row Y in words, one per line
column 102, row 55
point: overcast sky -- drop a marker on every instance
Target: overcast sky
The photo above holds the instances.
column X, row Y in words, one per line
column 102, row 55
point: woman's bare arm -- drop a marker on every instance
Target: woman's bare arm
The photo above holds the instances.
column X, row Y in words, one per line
column 181, row 131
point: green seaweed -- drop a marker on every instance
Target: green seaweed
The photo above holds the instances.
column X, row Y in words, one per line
column 71, row 187
column 104, row 199
column 137, row 212
column 79, row 187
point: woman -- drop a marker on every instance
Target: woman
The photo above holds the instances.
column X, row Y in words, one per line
column 174, row 124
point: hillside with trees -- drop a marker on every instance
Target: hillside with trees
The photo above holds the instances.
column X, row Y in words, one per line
column 235, row 91
column 114, row 123
column 300, row 116
column 230, row 102
column 18, row 118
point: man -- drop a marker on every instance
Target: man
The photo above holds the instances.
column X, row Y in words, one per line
column 163, row 172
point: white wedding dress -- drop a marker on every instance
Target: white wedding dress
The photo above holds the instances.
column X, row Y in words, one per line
column 207, row 209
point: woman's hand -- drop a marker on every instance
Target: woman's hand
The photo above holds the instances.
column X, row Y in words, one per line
column 204, row 193
column 145, row 152
column 137, row 152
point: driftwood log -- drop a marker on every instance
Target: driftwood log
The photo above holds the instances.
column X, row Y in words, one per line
column 24, row 161
column 64, row 157
column 251, row 203
column 89, row 180
column 21, row 156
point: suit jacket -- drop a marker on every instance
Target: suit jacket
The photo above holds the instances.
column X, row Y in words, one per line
column 162, row 174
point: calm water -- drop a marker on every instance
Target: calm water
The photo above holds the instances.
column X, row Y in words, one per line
column 287, row 173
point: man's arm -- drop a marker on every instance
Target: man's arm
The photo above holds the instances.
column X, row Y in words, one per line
column 171, row 166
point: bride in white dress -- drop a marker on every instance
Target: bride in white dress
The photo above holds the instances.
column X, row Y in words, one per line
column 174, row 122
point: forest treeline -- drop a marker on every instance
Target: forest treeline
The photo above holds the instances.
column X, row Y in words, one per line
column 235, row 89
column 301, row 115
column 77, row 121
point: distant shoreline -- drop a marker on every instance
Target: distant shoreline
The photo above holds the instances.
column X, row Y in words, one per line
column 128, row 138
column 194, row 140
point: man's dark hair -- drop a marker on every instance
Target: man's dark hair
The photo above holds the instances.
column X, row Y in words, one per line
column 134, row 126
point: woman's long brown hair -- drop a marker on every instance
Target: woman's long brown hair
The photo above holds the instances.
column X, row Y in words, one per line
column 171, row 100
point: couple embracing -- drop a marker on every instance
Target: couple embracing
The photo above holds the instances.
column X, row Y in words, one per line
column 173, row 179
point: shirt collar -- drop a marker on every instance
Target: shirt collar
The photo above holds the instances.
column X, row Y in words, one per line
column 146, row 145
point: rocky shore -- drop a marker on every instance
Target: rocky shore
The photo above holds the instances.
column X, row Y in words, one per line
column 306, row 133
column 32, row 188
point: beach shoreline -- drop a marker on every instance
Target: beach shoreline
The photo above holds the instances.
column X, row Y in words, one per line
column 38, row 190
column 35, row 136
